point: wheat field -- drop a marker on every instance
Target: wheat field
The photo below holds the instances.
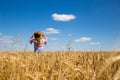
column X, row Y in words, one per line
column 60, row 65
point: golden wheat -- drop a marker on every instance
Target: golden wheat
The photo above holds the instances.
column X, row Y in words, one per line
column 60, row 65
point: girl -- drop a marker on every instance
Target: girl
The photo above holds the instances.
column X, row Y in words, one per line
column 39, row 39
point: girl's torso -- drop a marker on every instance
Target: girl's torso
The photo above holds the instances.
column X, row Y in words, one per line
column 36, row 45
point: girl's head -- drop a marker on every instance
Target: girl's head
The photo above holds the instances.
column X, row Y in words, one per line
column 38, row 35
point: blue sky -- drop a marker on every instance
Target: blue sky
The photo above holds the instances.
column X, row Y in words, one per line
column 88, row 24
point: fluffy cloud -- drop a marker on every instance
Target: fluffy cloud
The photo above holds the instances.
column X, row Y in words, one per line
column 63, row 17
column 6, row 39
column 95, row 43
column 83, row 39
column 51, row 31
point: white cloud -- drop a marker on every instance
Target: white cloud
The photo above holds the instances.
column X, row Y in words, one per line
column 51, row 31
column 95, row 43
column 6, row 39
column 83, row 39
column 63, row 17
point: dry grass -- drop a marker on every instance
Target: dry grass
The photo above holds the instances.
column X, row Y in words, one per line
column 60, row 66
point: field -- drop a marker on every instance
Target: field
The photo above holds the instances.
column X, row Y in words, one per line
column 60, row 65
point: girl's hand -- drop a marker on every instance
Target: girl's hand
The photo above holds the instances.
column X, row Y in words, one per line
column 30, row 42
column 45, row 42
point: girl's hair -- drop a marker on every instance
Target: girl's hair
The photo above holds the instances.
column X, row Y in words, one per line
column 38, row 35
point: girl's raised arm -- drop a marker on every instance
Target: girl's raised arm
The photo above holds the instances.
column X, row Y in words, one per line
column 45, row 36
column 31, row 39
